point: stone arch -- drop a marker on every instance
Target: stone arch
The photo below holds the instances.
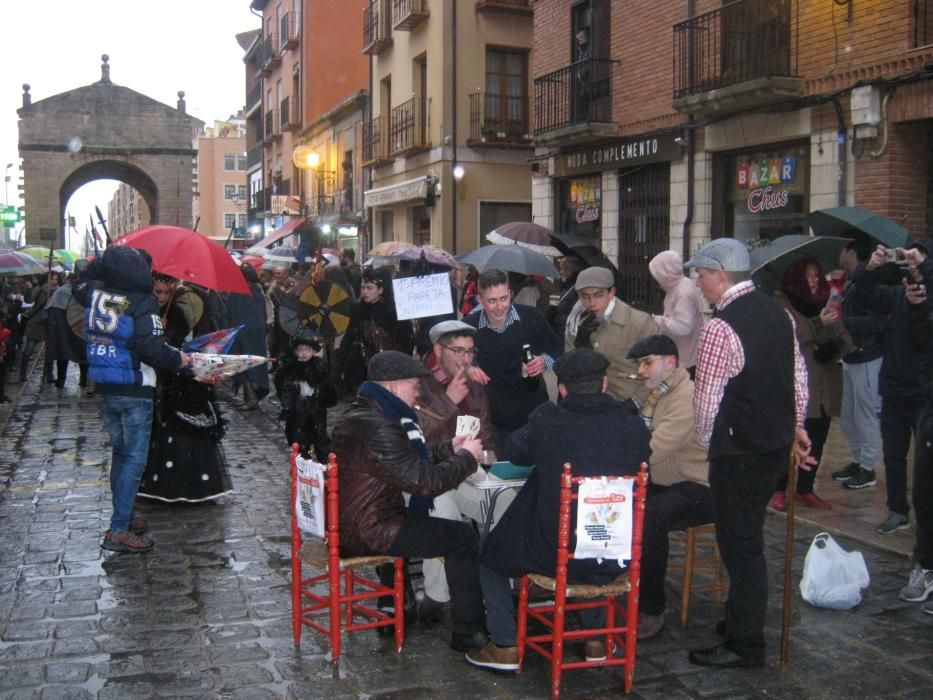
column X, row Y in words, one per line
column 109, row 169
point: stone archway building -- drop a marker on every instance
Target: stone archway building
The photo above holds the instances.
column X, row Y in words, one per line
column 104, row 131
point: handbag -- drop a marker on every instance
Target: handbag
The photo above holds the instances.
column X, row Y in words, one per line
column 832, row 577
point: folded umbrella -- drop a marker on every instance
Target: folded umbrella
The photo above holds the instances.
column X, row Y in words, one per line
column 840, row 221
column 217, row 342
column 209, row 367
column 512, row 258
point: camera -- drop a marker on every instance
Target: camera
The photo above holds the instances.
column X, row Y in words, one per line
column 895, row 255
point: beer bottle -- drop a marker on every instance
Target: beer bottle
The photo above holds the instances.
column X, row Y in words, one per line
column 531, row 383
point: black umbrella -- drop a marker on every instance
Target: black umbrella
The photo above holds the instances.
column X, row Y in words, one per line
column 771, row 258
column 512, row 258
column 840, row 221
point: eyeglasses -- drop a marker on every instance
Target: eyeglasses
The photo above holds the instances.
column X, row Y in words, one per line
column 461, row 352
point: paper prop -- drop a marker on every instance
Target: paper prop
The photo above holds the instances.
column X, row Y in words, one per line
column 215, row 343
column 209, row 368
column 604, row 519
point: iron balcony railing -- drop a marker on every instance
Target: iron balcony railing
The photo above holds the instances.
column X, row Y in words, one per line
column 741, row 41
column 576, row 94
column 498, row 118
column 521, row 6
column 288, row 112
column 269, row 52
column 377, row 34
column 273, row 126
column 289, row 28
column 254, row 97
column 254, row 155
column 408, row 126
column 408, row 13
column 375, row 141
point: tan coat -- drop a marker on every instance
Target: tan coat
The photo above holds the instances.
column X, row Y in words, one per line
column 676, row 455
column 613, row 339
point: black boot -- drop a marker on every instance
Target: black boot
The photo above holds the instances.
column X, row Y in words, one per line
column 386, row 574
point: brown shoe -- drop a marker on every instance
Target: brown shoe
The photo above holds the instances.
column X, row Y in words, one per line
column 649, row 626
column 594, row 650
column 138, row 526
column 495, row 658
column 126, row 542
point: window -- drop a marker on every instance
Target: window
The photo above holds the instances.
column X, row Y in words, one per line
column 506, row 105
column 420, row 225
column 387, row 224
column 229, row 192
column 229, row 221
column 923, row 22
column 229, row 162
column 241, row 162
column 241, row 193
column 241, row 220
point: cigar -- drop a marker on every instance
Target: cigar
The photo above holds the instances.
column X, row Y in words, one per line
column 428, row 412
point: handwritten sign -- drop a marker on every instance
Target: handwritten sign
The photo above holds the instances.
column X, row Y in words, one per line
column 418, row 297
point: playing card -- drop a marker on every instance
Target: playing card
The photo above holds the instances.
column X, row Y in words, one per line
column 468, row 425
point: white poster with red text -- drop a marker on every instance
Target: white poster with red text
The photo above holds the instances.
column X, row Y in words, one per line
column 604, row 519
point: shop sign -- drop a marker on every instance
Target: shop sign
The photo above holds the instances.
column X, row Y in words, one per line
column 585, row 197
column 392, row 194
column 766, row 182
column 619, row 153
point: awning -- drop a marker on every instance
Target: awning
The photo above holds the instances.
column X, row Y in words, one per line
column 281, row 232
column 407, row 191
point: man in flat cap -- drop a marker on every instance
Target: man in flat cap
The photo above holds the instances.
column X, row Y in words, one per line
column 592, row 431
column 749, row 406
column 679, row 494
column 382, row 454
column 602, row 322
column 446, row 393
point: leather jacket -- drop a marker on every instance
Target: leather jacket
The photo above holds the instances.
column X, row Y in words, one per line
column 376, row 464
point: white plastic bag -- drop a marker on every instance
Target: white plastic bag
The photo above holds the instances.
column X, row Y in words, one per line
column 309, row 497
column 832, row 577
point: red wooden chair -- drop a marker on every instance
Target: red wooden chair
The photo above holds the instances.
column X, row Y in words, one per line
column 339, row 599
column 622, row 636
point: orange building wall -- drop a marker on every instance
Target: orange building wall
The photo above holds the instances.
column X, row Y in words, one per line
column 335, row 66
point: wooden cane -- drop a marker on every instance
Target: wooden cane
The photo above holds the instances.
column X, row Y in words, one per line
column 788, row 560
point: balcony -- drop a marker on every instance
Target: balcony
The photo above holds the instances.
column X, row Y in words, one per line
column 269, row 55
column 289, row 30
column 288, row 111
column 376, row 143
column 377, row 34
column 574, row 103
column 254, row 98
column 273, row 126
column 498, row 120
column 408, row 128
column 739, row 56
column 512, row 7
column 253, row 156
column 408, row 14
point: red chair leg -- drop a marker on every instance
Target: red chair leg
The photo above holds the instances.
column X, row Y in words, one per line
column 557, row 648
column 333, row 584
column 399, row 595
column 349, row 588
column 522, row 632
column 296, row 599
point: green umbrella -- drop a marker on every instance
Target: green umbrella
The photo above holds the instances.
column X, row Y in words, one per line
column 66, row 256
column 771, row 258
column 840, row 221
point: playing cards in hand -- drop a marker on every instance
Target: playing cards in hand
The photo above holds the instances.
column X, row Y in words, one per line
column 467, row 425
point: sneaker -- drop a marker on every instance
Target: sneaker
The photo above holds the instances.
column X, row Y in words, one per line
column 893, row 523
column 126, row 542
column 862, row 480
column 918, row 587
column 813, row 501
column 927, row 607
column 594, row 650
column 649, row 626
column 494, row 658
column 850, row 470
column 779, row 501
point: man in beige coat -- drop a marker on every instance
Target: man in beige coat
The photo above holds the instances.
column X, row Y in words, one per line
column 602, row 322
column 678, row 495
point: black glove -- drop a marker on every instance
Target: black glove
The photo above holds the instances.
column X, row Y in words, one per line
column 587, row 325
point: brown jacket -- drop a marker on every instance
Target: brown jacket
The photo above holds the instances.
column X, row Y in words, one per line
column 437, row 414
column 377, row 463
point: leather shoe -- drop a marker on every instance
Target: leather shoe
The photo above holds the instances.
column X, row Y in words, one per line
column 721, row 656
column 813, row 501
column 464, row 642
column 779, row 501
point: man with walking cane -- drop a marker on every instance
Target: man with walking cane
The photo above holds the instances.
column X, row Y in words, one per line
column 749, row 406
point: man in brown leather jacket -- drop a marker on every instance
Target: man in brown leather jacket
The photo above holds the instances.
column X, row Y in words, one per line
column 382, row 453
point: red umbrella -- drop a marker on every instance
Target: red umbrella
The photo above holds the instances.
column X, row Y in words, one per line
column 187, row 255
column 254, row 260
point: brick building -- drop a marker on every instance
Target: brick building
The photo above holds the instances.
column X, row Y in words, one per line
column 658, row 125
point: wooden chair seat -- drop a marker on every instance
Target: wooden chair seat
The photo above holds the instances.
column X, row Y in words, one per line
column 314, row 553
column 585, row 590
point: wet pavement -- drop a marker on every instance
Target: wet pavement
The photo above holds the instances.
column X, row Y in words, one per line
column 206, row 614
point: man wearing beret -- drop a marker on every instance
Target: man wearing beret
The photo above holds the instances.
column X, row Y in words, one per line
column 678, row 495
column 602, row 322
column 446, row 393
column 592, row 431
column 382, row 453
column 749, row 406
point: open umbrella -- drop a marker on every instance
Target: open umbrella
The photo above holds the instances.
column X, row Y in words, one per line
column 433, row 254
column 187, row 255
column 15, row 263
column 513, row 258
column 386, row 248
column 524, row 233
column 66, row 256
column 839, row 221
column 771, row 258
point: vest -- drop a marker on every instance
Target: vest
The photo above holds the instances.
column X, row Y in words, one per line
column 757, row 410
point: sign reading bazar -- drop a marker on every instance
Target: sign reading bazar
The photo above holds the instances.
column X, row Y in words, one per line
column 618, row 153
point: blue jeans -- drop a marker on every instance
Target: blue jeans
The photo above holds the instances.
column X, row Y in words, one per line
column 129, row 422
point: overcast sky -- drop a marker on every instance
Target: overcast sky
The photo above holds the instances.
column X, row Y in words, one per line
column 156, row 48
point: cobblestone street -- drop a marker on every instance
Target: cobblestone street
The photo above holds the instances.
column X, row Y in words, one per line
column 207, row 613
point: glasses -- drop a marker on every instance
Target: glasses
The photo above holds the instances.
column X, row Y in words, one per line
column 461, row 352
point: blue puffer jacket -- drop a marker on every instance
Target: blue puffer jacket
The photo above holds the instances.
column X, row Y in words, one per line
column 124, row 331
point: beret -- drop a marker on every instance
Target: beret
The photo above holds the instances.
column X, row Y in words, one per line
column 653, row 345
column 580, row 365
column 391, row 365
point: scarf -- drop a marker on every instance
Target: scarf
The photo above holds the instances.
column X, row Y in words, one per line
column 647, row 410
column 397, row 410
column 434, row 366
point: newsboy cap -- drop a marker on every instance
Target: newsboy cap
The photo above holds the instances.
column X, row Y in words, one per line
column 441, row 329
column 390, row 365
column 580, row 365
column 653, row 345
column 725, row 254
column 599, row 277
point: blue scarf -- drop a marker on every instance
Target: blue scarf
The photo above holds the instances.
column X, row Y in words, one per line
column 397, row 410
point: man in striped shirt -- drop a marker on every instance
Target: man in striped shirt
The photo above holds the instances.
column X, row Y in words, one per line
column 749, row 406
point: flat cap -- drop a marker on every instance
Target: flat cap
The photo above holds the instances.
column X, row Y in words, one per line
column 653, row 345
column 599, row 277
column 390, row 365
column 725, row 254
column 445, row 327
column 580, row 365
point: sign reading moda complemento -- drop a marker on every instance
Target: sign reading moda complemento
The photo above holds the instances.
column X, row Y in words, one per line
column 619, row 153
